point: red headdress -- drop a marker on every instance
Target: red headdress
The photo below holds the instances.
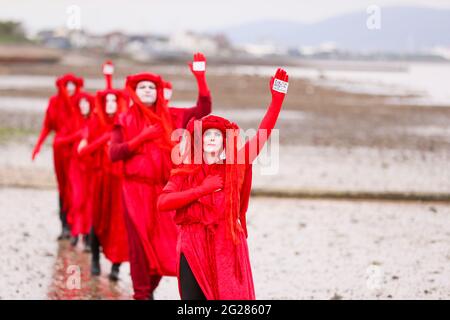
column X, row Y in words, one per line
column 77, row 116
column 159, row 113
column 237, row 180
column 62, row 81
column 167, row 85
column 61, row 84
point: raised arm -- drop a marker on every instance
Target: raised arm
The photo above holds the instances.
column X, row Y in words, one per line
column 203, row 106
column 198, row 69
column 171, row 199
column 278, row 88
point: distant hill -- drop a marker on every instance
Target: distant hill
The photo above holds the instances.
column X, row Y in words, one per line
column 403, row 29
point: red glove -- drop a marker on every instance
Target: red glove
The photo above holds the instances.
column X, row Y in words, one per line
column 44, row 133
column 210, row 184
column 94, row 145
column 36, row 150
column 278, row 88
column 175, row 200
column 148, row 133
column 69, row 138
column 198, row 69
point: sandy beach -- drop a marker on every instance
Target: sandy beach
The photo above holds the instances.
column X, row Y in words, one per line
column 331, row 141
column 299, row 249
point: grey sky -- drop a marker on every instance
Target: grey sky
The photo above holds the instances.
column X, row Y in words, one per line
column 172, row 15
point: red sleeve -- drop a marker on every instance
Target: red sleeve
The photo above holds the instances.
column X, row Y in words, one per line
column 47, row 124
column 256, row 144
column 172, row 199
column 70, row 138
column 201, row 109
column 95, row 145
column 118, row 149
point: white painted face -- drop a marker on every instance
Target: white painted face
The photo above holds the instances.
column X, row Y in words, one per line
column 70, row 88
column 146, row 91
column 167, row 93
column 111, row 104
column 85, row 107
column 212, row 141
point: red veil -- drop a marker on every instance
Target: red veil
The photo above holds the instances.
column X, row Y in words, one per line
column 238, row 176
column 160, row 113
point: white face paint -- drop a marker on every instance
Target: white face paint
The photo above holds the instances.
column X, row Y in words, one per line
column 70, row 87
column 111, row 104
column 146, row 91
column 85, row 107
column 212, row 141
column 167, row 93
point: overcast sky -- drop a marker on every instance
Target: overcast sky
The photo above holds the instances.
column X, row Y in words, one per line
column 165, row 16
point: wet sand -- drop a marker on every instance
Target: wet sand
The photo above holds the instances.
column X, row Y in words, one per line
column 305, row 249
column 312, row 169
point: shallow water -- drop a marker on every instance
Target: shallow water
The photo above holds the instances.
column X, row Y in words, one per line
column 421, row 83
column 427, row 81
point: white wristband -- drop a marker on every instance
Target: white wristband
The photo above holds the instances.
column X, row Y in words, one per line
column 280, row 86
column 108, row 69
column 199, row 66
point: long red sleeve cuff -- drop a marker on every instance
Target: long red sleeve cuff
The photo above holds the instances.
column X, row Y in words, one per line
column 203, row 89
column 204, row 106
column 254, row 146
column 135, row 143
column 95, row 145
column 59, row 141
column 118, row 150
column 43, row 135
column 168, row 201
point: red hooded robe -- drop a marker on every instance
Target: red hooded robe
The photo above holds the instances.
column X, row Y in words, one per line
column 152, row 235
column 213, row 227
column 80, row 211
column 107, row 203
column 57, row 119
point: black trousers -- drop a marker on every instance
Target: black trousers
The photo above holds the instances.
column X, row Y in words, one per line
column 190, row 290
column 62, row 214
column 95, row 249
column 95, row 246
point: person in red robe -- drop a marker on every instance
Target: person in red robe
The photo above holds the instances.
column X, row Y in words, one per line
column 57, row 119
column 108, row 224
column 211, row 199
column 79, row 214
column 142, row 140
